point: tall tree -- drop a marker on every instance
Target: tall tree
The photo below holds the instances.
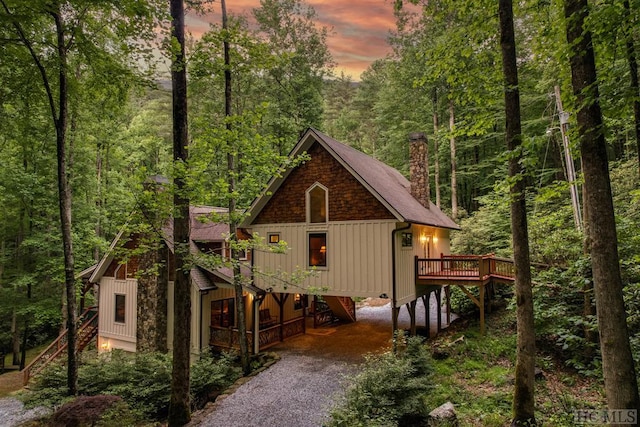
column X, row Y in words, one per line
column 232, row 170
column 617, row 361
column 523, row 398
column 179, row 406
column 58, row 104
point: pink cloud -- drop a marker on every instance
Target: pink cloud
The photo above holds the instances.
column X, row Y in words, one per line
column 359, row 28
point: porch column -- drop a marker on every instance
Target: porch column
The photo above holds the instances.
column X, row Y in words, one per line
column 256, row 325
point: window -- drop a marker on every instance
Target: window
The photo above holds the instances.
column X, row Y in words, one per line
column 120, row 308
column 121, row 272
column 317, row 204
column 407, row 240
column 273, row 238
column 223, row 313
column 299, row 301
column 317, row 249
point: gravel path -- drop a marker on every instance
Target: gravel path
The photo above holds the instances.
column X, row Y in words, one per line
column 12, row 412
column 301, row 389
column 297, row 391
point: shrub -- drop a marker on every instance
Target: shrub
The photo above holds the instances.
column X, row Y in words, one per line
column 143, row 380
column 388, row 391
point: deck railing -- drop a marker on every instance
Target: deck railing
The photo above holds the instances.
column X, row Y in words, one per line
column 228, row 338
column 87, row 330
column 468, row 267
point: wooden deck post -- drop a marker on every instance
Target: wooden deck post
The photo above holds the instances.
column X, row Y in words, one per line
column 481, row 306
column 412, row 315
column 447, row 294
column 426, row 299
column 439, row 308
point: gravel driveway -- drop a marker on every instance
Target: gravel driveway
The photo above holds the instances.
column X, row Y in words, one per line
column 297, row 391
column 300, row 389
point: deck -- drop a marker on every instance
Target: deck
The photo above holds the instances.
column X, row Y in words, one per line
column 470, row 270
column 463, row 271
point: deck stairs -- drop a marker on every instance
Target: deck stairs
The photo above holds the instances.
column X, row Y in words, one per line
column 344, row 308
column 87, row 330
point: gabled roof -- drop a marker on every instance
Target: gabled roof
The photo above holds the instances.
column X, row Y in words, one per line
column 203, row 229
column 385, row 183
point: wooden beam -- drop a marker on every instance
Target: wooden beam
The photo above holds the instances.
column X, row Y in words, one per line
column 470, row 295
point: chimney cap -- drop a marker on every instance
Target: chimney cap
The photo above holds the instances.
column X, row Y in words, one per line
column 417, row 136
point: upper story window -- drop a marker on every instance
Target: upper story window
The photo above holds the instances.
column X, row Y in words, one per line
column 317, row 197
column 120, row 308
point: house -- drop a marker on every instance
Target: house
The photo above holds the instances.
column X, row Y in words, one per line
column 136, row 308
column 360, row 224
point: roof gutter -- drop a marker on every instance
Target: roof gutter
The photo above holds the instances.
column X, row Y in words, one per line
column 394, row 315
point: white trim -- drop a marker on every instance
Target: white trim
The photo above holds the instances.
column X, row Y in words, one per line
column 307, row 199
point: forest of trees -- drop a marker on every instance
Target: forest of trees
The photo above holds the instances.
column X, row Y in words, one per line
column 83, row 76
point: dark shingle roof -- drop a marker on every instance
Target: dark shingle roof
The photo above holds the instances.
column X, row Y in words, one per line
column 388, row 185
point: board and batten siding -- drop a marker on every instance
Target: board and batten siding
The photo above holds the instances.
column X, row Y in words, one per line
column 405, row 260
column 358, row 257
column 113, row 334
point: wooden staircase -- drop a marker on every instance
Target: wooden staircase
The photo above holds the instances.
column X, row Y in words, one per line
column 86, row 332
column 344, row 308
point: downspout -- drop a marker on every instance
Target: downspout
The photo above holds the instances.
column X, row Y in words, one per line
column 394, row 316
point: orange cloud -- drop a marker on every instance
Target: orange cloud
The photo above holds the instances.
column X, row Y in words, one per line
column 359, row 28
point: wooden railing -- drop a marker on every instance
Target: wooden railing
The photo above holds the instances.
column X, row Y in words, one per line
column 322, row 314
column 467, row 267
column 228, row 338
column 349, row 306
column 86, row 332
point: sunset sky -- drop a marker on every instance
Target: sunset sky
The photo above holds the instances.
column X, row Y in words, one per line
column 359, row 28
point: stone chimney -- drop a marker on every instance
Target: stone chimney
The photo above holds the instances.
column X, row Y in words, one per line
column 419, row 167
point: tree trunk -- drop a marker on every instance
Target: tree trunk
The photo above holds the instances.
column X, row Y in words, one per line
column 15, row 339
column 633, row 72
column 233, row 220
column 452, row 143
column 179, row 406
column 436, row 161
column 523, row 398
column 617, row 362
column 64, row 192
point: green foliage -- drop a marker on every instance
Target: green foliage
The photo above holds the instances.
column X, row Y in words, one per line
column 143, row 380
column 390, row 390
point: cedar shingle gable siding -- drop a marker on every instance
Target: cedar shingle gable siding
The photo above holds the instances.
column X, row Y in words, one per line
column 348, row 199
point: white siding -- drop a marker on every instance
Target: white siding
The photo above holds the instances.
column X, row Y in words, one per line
column 112, row 334
column 358, row 258
column 405, row 261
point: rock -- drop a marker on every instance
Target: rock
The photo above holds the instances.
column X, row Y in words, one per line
column 538, row 374
column 84, row 410
column 443, row 415
column 439, row 354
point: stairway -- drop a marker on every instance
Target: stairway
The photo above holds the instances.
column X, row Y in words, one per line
column 344, row 308
column 86, row 332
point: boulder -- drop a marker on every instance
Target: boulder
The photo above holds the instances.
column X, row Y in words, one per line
column 443, row 415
